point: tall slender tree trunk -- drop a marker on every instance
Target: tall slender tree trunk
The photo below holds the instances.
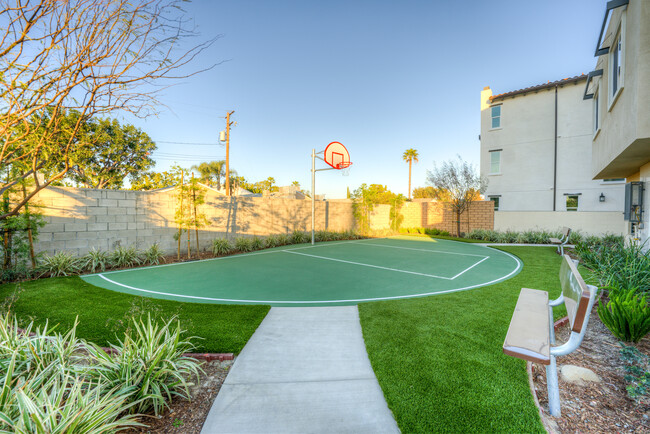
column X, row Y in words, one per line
column 196, row 226
column 410, row 163
column 30, row 235
column 180, row 220
column 458, row 222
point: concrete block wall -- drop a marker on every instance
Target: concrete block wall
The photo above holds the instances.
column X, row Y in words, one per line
column 81, row 219
column 78, row 220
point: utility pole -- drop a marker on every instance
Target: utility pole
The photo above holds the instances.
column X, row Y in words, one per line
column 228, row 124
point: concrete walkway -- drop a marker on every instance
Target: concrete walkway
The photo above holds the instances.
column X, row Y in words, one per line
column 305, row 370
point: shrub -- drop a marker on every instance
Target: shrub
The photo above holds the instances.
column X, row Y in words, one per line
column 299, row 237
column 43, row 376
column 283, row 239
column 60, row 264
column 150, row 361
column 243, row 244
column 325, row 236
column 271, row 241
column 221, row 246
column 125, row 256
column 626, row 315
column 615, row 264
column 637, row 368
column 257, row 243
column 96, row 259
column 154, row 255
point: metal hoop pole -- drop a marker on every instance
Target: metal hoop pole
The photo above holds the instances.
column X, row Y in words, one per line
column 313, row 193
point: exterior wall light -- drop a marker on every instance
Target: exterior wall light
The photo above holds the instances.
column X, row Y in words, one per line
column 602, row 197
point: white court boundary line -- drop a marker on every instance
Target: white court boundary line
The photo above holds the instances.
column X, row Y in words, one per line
column 356, row 300
column 373, row 266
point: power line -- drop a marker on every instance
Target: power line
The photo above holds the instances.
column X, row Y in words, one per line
column 189, row 143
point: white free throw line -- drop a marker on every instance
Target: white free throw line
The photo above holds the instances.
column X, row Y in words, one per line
column 368, row 265
column 467, row 269
column 419, row 250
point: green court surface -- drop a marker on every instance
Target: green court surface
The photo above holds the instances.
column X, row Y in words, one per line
column 333, row 273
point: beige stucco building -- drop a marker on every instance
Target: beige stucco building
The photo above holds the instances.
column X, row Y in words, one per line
column 536, row 152
column 619, row 91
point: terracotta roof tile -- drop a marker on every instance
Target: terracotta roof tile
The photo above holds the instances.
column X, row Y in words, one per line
column 564, row 81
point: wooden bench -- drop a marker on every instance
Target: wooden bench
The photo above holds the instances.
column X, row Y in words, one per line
column 564, row 238
column 531, row 335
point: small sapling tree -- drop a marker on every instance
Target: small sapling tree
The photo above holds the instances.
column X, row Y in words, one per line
column 458, row 183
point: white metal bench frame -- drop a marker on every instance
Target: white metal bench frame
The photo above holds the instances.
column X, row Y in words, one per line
column 562, row 241
column 578, row 313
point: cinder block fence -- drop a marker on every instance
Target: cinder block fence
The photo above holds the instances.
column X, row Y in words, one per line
column 80, row 219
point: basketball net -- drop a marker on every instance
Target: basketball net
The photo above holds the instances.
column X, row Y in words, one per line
column 344, row 168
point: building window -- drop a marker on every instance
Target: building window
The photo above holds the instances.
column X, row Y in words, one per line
column 496, row 116
column 596, row 112
column 617, row 62
column 614, row 180
column 572, row 202
column 495, row 199
column 495, row 162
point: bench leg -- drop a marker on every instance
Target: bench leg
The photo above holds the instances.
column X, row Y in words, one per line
column 562, row 250
column 553, row 388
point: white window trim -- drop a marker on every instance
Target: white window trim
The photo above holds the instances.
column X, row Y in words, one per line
column 490, row 154
column 500, row 118
column 621, row 61
column 596, row 111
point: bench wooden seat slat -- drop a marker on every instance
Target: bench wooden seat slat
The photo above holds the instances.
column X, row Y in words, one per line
column 555, row 240
column 528, row 336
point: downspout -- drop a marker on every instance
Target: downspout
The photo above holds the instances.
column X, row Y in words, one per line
column 555, row 155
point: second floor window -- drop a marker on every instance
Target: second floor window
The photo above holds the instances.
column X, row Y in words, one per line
column 496, row 116
column 495, row 162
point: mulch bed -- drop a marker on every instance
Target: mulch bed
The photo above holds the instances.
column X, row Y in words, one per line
column 597, row 407
column 187, row 417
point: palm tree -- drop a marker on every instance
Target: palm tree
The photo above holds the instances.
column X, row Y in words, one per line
column 212, row 169
column 410, row 155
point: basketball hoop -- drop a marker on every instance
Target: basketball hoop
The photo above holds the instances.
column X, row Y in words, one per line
column 344, row 168
column 337, row 157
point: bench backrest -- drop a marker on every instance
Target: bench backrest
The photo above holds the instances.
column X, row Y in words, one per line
column 565, row 233
column 575, row 292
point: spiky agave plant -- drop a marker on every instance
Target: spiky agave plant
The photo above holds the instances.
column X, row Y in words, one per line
column 60, row 264
column 96, row 260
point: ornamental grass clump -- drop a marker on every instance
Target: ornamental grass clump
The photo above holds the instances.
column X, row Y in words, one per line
column 615, row 264
column 243, row 244
column 271, row 241
column 44, row 388
column 257, row 243
column 221, row 246
column 283, row 240
column 126, row 256
column 153, row 255
column 149, row 361
column 96, row 260
column 60, row 264
column 626, row 314
column 299, row 237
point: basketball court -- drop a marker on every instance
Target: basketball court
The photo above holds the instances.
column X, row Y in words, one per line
column 324, row 274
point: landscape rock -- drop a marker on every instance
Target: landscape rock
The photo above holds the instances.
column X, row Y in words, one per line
column 578, row 375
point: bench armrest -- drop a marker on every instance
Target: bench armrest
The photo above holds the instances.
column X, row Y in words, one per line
column 576, row 338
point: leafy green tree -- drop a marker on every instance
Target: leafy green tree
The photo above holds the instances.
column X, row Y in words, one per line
column 111, row 153
column 367, row 196
column 156, row 180
column 211, row 173
column 458, row 183
column 410, row 155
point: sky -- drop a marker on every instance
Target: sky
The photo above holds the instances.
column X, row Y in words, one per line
column 378, row 76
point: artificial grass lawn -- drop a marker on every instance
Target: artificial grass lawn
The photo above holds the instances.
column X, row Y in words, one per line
column 439, row 359
column 102, row 313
